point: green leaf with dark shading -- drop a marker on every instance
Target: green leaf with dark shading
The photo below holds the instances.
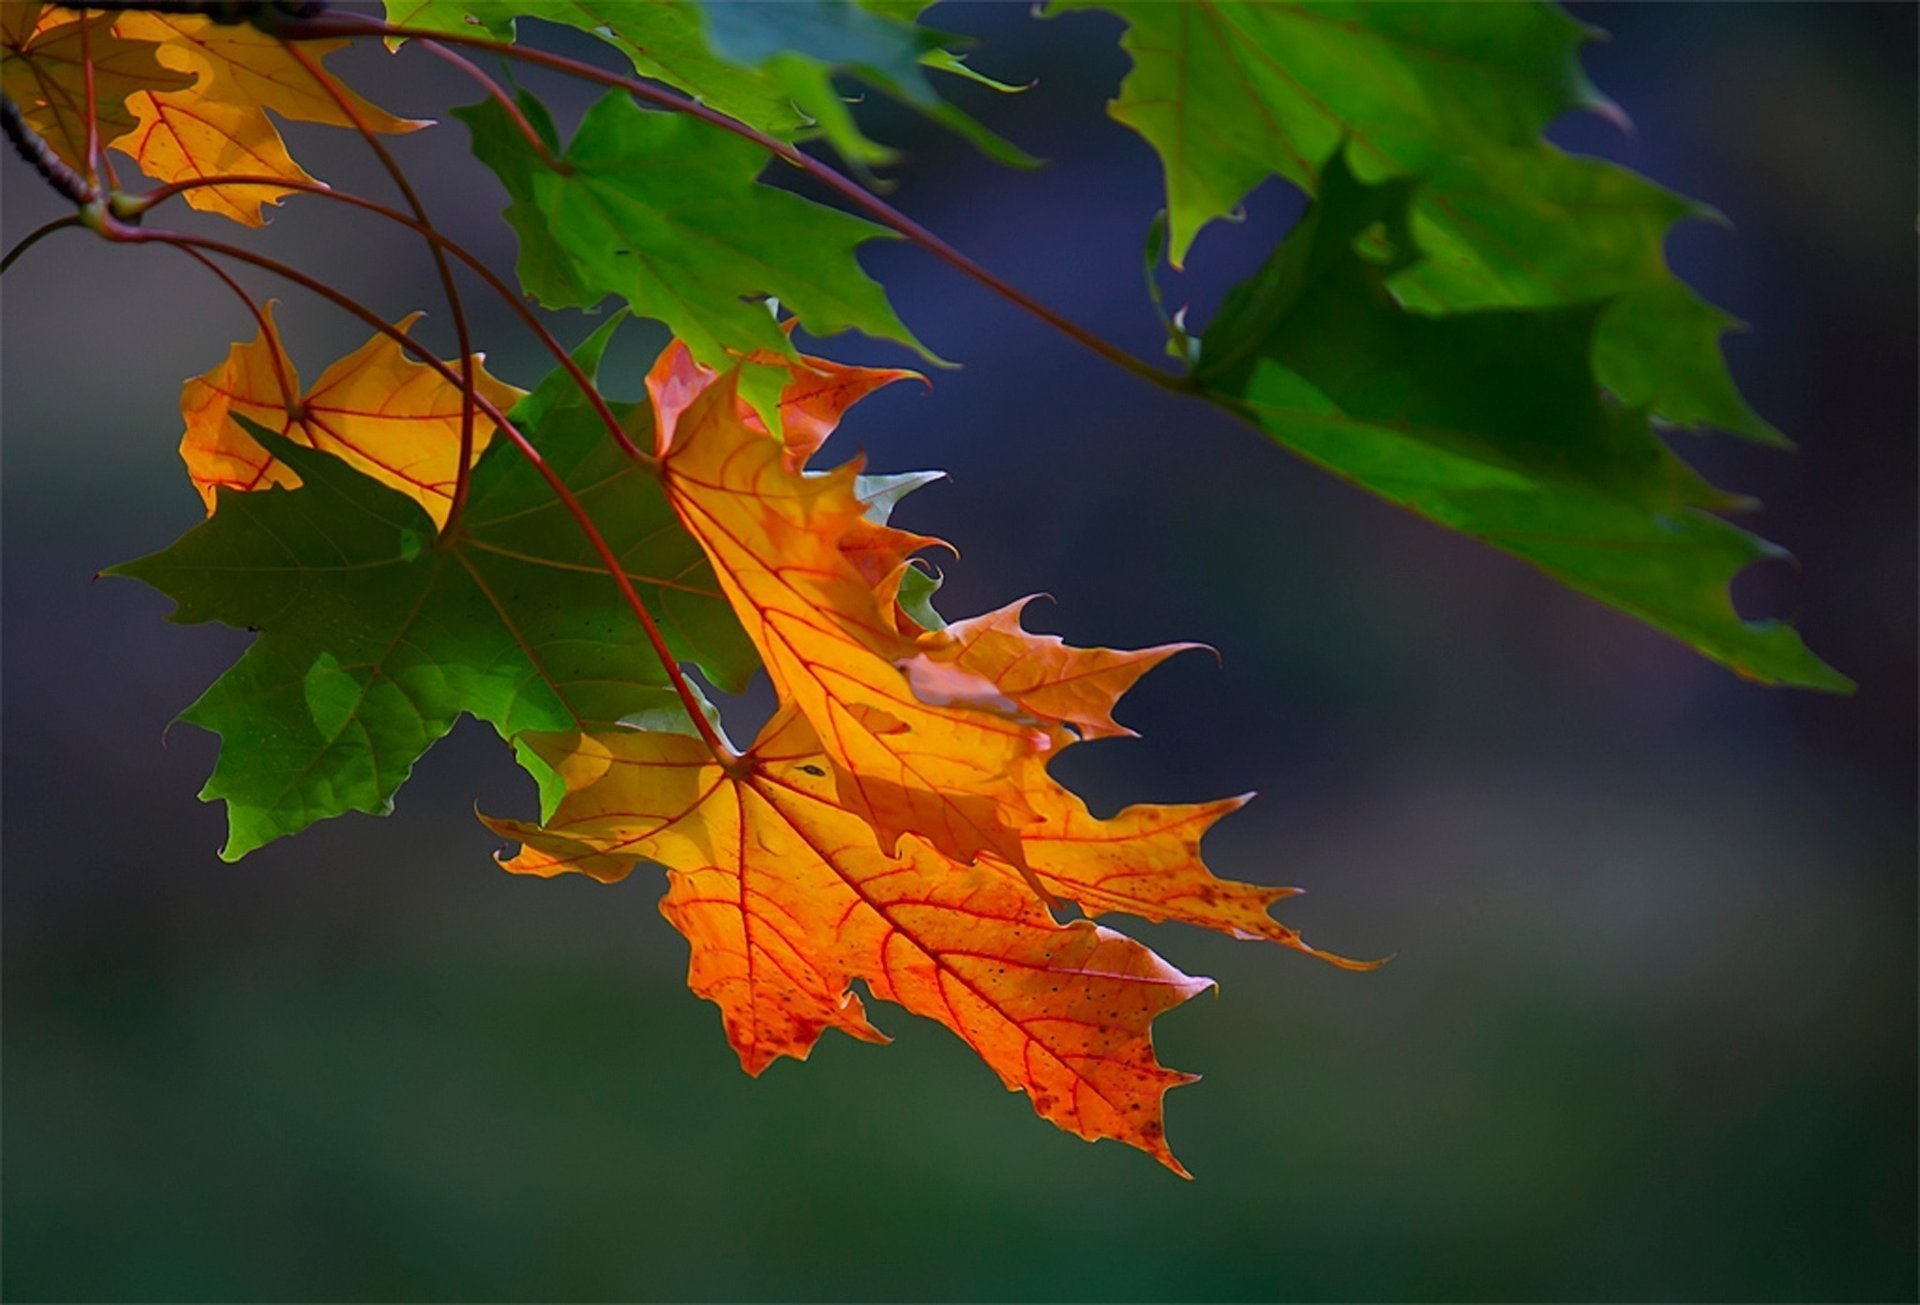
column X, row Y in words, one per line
column 1489, row 422
column 1230, row 92
column 374, row 635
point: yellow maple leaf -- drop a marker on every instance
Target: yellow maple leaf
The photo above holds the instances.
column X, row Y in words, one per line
column 786, row 896
column 219, row 124
column 42, row 55
column 392, row 418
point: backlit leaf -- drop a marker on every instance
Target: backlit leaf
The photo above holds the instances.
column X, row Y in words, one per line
column 918, row 746
column 786, row 896
column 770, row 66
column 374, row 635
column 41, row 70
column 664, row 211
column 220, row 124
column 381, row 412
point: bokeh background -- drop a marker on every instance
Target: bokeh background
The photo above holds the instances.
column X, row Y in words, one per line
column 1651, row 1029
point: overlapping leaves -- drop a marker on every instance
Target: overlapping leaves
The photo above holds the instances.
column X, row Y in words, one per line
column 377, row 632
column 895, row 822
column 665, row 212
column 1543, row 271
column 381, row 412
column 1230, row 92
column 1489, row 422
column 1468, row 323
column 184, row 96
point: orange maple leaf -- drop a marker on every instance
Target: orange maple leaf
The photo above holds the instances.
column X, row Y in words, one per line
column 219, row 124
column 788, row 877
column 1048, row 679
column 918, row 745
column 786, row 896
column 42, row 55
column 392, row 418
column 817, row 394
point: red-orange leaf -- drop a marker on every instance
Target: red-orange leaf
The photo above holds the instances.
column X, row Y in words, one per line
column 786, row 896
column 392, row 418
column 817, row 393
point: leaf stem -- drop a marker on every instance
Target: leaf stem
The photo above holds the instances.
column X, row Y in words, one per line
column 500, row 97
column 587, row 388
column 120, row 232
column 288, row 398
column 91, row 104
column 35, row 237
column 349, row 25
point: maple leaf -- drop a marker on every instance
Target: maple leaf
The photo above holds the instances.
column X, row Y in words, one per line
column 1145, row 861
column 1229, row 93
column 664, row 211
column 378, row 410
column 42, row 56
column 220, row 124
column 798, row 557
column 785, row 896
column 1044, row 677
column 814, row 395
column 912, row 747
column 374, row 634
column 1490, row 422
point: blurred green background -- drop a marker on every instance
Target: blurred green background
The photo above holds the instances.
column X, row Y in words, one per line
column 1651, row 1029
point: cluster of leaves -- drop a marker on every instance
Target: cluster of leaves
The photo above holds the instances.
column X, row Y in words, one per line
column 1469, row 323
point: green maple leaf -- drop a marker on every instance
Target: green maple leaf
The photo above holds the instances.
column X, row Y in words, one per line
column 1489, row 422
column 1230, row 92
column 664, row 211
column 769, row 66
column 375, row 635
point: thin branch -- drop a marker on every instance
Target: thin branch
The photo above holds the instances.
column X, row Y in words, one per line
column 41, row 158
column 90, row 103
column 337, row 24
column 288, row 399
column 500, row 97
column 35, row 237
column 120, row 232
column 587, row 388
